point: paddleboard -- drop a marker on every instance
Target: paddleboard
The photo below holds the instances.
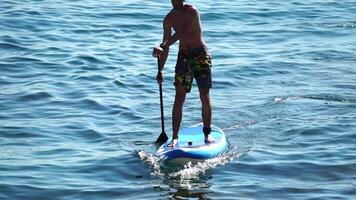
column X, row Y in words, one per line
column 191, row 145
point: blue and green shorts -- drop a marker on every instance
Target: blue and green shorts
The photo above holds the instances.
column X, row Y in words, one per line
column 195, row 63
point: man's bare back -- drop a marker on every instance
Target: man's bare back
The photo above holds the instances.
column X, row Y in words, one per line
column 186, row 23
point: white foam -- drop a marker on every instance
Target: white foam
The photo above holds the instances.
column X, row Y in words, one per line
column 195, row 170
column 190, row 170
column 152, row 161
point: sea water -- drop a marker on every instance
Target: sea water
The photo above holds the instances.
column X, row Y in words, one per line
column 79, row 104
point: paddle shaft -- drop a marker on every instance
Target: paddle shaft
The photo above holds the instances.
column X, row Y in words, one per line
column 161, row 95
column 163, row 136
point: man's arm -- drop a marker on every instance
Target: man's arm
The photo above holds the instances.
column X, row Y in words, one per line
column 157, row 51
column 173, row 39
column 163, row 50
column 167, row 34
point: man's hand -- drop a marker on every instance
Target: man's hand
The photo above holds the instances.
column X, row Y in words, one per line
column 157, row 51
column 159, row 78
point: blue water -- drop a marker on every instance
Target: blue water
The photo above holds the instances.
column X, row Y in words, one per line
column 79, row 105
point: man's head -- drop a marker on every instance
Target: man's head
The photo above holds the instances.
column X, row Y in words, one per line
column 177, row 3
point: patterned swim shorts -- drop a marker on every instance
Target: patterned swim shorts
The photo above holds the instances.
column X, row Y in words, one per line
column 195, row 64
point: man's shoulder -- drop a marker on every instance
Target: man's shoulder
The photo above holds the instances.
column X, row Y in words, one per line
column 188, row 8
column 191, row 8
column 169, row 16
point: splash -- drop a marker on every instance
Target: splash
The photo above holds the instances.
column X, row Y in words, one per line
column 189, row 170
column 194, row 170
column 152, row 161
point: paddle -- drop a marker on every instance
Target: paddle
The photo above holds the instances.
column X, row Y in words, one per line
column 163, row 136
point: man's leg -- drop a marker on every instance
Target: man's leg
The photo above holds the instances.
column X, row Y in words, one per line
column 177, row 113
column 206, row 113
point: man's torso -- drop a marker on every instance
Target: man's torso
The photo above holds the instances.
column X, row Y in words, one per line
column 186, row 24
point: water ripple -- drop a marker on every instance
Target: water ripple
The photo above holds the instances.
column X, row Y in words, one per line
column 36, row 96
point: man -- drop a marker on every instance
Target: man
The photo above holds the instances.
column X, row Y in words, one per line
column 193, row 61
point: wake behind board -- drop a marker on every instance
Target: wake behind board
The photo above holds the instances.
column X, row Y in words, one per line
column 191, row 145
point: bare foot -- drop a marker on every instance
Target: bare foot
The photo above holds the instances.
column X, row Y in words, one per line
column 208, row 139
column 173, row 143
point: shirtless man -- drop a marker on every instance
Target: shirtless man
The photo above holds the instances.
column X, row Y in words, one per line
column 194, row 61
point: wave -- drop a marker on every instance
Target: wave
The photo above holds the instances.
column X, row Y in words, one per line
column 12, row 47
column 322, row 97
column 36, row 96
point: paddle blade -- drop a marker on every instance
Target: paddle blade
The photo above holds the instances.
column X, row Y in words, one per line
column 162, row 138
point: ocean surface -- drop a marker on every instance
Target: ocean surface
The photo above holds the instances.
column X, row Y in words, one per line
column 79, row 104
